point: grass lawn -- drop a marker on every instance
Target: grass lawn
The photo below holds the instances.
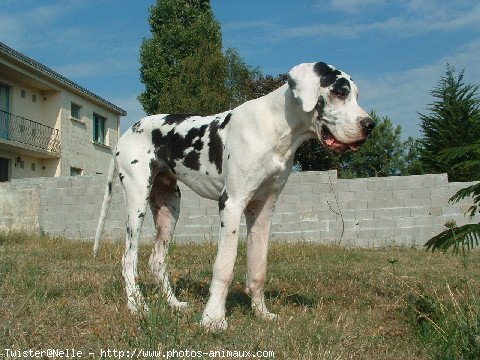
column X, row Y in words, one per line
column 334, row 303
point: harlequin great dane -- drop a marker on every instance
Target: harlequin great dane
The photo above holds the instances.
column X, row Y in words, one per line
column 240, row 158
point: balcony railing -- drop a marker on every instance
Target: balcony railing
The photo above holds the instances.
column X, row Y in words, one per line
column 25, row 131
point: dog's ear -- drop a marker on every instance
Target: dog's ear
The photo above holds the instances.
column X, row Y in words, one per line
column 304, row 81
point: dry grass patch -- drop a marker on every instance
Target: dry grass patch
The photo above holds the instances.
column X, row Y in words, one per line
column 333, row 303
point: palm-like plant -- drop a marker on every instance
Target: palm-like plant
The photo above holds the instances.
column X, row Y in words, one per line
column 467, row 236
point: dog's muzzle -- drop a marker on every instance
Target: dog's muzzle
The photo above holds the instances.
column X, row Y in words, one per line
column 368, row 125
column 334, row 144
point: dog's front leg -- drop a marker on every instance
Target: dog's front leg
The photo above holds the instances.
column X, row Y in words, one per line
column 258, row 215
column 213, row 317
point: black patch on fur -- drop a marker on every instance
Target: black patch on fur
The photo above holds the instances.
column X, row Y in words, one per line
column 320, row 107
column 118, row 153
column 198, row 145
column 329, row 78
column 327, row 74
column 291, row 83
column 109, row 187
column 192, row 160
column 121, row 176
column 215, row 146
column 136, row 127
column 141, row 215
column 321, row 69
column 222, row 224
column 134, row 161
column 341, row 86
column 154, row 169
column 171, row 146
column 234, row 232
column 156, row 137
column 172, row 119
column 222, row 200
column 225, row 121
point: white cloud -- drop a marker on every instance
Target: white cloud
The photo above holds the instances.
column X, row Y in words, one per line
column 413, row 18
column 88, row 69
column 401, row 96
column 351, row 6
column 17, row 28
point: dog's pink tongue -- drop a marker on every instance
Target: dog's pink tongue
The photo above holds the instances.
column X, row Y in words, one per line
column 330, row 141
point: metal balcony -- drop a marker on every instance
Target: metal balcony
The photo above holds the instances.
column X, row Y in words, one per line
column 25, row 131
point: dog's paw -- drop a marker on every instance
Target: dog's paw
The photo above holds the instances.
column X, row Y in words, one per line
column 261, row 311
column 180, row 305
column 138, row 308
column 213, row 325
column 269, row 316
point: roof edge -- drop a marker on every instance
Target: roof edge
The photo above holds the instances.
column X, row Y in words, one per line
column 56, row 76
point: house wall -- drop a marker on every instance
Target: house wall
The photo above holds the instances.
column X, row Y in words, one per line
column 43, row 110
column 78, row 148
column 27, row 167
column 52, row 108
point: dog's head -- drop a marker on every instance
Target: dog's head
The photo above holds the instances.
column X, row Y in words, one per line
column 329, row 98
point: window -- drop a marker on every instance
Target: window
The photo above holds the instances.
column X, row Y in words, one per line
column 99, row 129
column 75, row 171
column 4, row 108
column 4, row 165
column 75, row 111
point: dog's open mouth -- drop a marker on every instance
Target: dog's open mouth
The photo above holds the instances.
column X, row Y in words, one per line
column 332, row 143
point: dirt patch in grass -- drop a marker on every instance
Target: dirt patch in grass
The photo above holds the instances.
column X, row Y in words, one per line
column 334, row 303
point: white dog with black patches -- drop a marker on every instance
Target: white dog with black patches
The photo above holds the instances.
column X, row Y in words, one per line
column 240, row 158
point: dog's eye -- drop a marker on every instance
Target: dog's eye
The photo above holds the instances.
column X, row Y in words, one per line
column 340, row 93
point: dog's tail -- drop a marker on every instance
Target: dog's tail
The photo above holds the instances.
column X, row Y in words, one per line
column 112, row 170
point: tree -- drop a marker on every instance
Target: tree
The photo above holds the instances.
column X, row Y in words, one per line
column 240, row 76
column 453, row 121
column 262, row 85
column 465, row 236
column 182, row 64
column 411, row 153
column 313, row 156
column 383, row 154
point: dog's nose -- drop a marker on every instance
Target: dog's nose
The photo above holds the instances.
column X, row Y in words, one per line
column 367, row 125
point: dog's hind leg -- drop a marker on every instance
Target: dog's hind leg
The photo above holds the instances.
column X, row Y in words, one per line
column 165, row 205
column 136, row 190
column 258, row 216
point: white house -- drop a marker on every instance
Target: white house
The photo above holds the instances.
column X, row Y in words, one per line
column 49, row 125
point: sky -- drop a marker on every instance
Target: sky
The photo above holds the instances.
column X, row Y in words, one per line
column 396, row 51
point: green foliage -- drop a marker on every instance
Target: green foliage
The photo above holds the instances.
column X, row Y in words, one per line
column 453, row 121
column 262, row 85
column 449, row 328
column 411, row 154
column 381, row 155
column 182, row 64
column 239, row 77
column 313, row 156
column 463, row 237
column 467, row 236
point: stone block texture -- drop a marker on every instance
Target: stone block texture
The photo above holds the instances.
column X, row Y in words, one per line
column 314, row 206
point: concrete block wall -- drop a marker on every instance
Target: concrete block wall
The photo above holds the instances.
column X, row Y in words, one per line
column 314, row 206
